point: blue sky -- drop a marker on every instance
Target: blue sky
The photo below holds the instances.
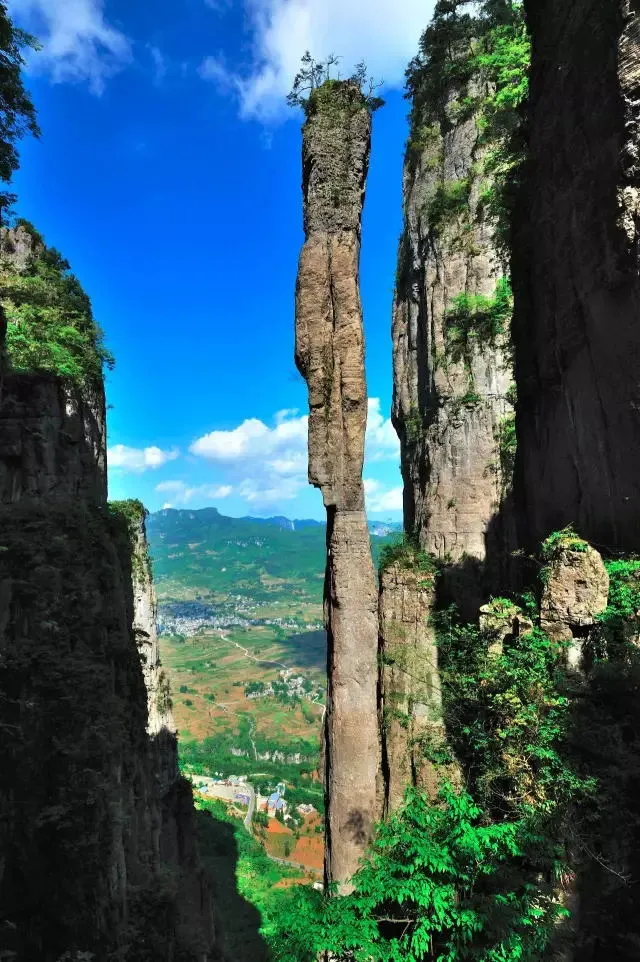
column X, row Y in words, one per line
column 168, row 174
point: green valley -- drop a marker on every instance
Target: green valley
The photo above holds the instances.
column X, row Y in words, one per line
column 242, row 637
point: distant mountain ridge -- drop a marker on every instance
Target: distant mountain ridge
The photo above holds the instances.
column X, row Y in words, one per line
column 378, row 528
column 202, row 554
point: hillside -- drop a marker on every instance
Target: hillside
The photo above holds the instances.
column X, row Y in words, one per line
column 242, row 635
column 251, row 565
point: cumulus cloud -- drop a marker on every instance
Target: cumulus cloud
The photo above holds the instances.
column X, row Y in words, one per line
column 280, row 447
column 380, row 498
column 384, row 34
column 182, row 492
column 79, row 44
column 139, row 459
column 268, row 463
column 382, row 440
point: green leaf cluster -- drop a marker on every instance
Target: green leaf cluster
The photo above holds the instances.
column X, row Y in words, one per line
column 50, row 324
column 17, row 113
column 474, row 319
column 564, row 540
column 405, row 552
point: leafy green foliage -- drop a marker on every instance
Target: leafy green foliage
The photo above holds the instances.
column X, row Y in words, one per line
column 507, row 441
column 17, row 113
column 476, row 875
column 564, row 540
column 314, row 89
column 436, row 884
column 473, row 319
column 50, row 322
column 449, row 200
column 405, row 552
column 506, row 716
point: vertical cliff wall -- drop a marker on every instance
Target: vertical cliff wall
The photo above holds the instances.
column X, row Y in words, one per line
column 576, row 276
column 330, row 356
column 96, row 840
column 452, row 372
column 411, row 699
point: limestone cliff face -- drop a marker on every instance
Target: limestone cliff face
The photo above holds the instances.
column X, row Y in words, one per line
column 330, row 356
column 410, row 683
column 450, row 389
column 52, row 437
column 576, row 276
column 145, row 610
column 97, row 849
column 53, row 434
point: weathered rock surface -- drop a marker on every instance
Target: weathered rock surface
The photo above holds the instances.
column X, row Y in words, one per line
column 145, row 611
column 576, row 589
column 576, row 276
column 449, row 402
column 330, row 356
column 410, row 684
column 52, row 440
column 97, row 842
column 502, row 622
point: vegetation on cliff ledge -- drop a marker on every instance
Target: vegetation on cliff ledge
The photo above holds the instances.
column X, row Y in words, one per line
column 50, row 324
column 314, row 89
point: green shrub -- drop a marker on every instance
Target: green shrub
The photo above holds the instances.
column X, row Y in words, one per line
column 50, row 324
column 473, row 320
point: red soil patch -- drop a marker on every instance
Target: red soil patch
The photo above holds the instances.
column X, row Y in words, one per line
column 309, row 851
column 277, row 828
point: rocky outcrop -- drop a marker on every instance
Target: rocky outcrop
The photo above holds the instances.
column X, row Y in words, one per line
column 576, row 589
column 502, row 623
column 451, row 373
column 97, row 843
column 576, row 276
column 411, row 700
column 330, row 356
column 145, row 611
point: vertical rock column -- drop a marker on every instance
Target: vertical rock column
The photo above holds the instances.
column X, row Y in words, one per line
column 330, row 356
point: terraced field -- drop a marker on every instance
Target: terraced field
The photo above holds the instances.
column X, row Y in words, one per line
column 209, row 672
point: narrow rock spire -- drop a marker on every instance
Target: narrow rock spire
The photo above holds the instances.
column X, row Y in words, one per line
column 330, row 356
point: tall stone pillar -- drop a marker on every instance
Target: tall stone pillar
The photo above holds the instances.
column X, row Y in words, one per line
column 330, row 356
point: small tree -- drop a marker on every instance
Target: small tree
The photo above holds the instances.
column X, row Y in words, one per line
column 313, row 74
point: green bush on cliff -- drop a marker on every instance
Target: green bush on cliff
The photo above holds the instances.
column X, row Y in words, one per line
column 51, row 327
column 473, row 319
column 474, row 63
column 315, row 90
column 475, row 875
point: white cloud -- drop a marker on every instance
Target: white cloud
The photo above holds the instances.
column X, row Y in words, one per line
column 384, row 34
column 253, row 440
column 183, row 492
column 382, row 440
column 139, row 459
column 268, row 464
column 78, row 43
column 262, row 493
column 380, row 499
column 159, row 63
